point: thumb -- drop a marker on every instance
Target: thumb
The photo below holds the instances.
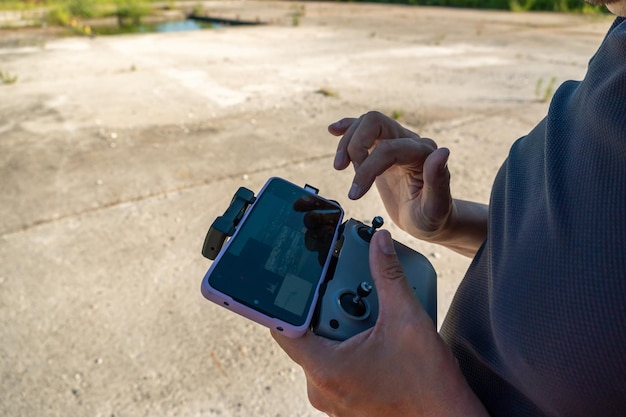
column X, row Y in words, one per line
column 396, row 299
column 436, row 198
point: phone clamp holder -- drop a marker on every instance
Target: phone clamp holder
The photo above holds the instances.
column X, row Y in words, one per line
column 224, row 226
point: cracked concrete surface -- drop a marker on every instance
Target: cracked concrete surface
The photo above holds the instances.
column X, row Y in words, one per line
column 116, row 154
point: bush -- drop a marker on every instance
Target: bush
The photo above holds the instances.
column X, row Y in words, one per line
column 82, row 8
column 130, row 12
column 59, row 15
column 62, row 13
column 518, row 5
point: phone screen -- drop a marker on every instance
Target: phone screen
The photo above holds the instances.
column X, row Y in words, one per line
column 276, row 259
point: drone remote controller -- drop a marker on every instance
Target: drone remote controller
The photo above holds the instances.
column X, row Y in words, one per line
column 285, row 260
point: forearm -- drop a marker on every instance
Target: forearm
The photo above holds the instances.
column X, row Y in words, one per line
column 466, row 228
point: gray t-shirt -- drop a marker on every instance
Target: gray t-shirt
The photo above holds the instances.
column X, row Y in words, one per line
column 539, row 322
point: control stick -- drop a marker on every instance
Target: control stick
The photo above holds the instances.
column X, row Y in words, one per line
column 366, row 233
column 353, row 303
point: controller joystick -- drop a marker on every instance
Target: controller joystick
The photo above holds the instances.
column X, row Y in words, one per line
column 353, row 304
column 366, row 233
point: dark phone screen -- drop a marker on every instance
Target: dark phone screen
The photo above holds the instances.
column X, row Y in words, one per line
column 276, row 260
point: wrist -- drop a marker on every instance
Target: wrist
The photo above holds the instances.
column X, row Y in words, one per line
column 465, row 228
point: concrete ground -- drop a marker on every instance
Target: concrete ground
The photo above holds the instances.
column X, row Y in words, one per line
column 116, row 154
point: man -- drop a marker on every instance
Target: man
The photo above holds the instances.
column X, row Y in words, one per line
column 537, row 326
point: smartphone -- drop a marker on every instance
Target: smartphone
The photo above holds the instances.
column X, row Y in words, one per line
column 272, row 267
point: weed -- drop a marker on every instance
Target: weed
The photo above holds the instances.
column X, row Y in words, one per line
column 7, row 78
column 538, row 85
column 397, row 114
column 79, row 28
column 544, row 94
column 327, row 92
column 521, row 5
column 547, row 94
column 198, row 10
column 298, row 14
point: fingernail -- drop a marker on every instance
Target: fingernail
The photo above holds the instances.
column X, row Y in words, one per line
column 386, row 243
column 354, row 191
column 444, row 168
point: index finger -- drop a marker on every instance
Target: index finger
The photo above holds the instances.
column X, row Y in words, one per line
column 339, row 127
column 407, row 152
column 364, row 133
column 356, row 142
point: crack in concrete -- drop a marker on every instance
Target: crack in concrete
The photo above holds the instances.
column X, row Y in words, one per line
column 116, row 203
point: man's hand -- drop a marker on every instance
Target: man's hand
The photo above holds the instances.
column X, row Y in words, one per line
column 399, row 367
column 413, row 180
column 411, row 174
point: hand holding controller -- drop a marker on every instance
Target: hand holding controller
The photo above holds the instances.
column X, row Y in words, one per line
column 349, row 304
column 285, row 260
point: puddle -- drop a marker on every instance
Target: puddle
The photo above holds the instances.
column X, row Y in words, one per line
column 161, row 27
column 193, row 22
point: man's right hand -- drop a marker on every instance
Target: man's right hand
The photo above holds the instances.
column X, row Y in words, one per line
column 399, row 367
column 413, row 180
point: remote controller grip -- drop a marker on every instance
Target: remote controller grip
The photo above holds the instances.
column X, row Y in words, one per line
column 334, row 320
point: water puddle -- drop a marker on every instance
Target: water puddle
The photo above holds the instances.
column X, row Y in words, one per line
column 161, row 27
column 189, row 24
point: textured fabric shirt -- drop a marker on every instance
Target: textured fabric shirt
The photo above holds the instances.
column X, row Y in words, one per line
column 538, row 324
